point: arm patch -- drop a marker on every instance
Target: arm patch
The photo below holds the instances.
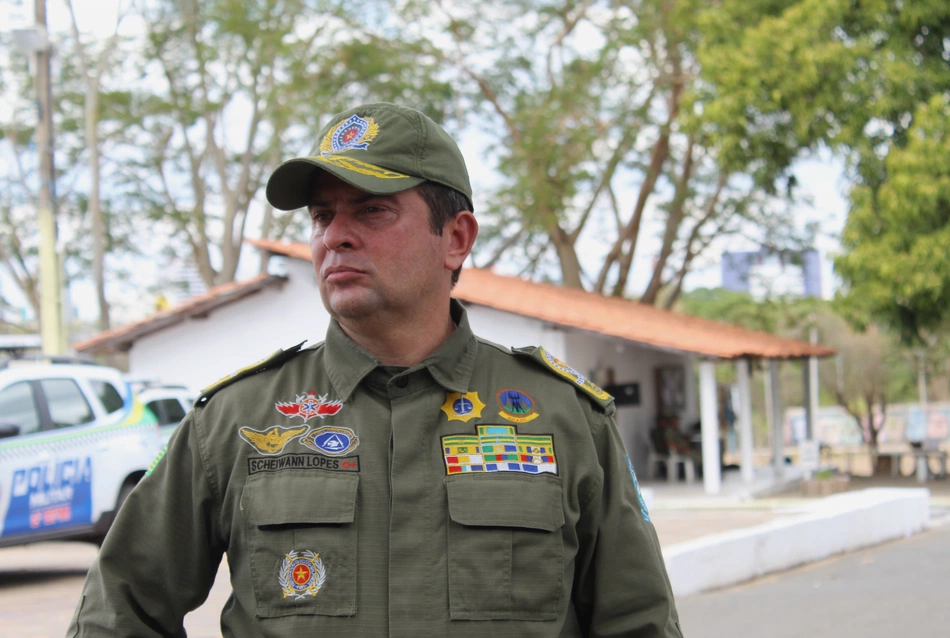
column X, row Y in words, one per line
column 554, row 365
column 276, row 359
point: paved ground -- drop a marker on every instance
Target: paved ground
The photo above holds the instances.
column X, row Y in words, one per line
column 40, row 585
column 897, row 589
column 675, row 526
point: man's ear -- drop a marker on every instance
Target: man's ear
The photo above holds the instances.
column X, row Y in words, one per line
column 459, row 236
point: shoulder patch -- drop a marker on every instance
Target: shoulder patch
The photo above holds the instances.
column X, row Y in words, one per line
column 277, row 358
column 554, row 365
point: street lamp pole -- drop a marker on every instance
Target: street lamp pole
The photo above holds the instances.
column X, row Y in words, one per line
column 51, row 311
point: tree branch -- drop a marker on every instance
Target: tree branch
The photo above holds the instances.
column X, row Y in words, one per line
column 673, row 223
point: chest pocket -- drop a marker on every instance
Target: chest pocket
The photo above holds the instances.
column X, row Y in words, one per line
column 505, row 548
column 302, row 542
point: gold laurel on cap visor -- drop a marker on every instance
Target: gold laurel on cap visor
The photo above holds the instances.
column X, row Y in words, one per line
column 289, row 186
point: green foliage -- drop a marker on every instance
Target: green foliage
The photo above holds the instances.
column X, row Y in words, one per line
column 602, row 115
column 230, row 89
column 897, row 239
column 789, row 317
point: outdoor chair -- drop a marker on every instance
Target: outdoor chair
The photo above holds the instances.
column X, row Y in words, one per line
column 670, row 459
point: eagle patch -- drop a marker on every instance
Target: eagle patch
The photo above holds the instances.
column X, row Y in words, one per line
column 272, row 440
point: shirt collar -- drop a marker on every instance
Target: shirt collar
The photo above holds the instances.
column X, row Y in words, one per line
column 451, row 365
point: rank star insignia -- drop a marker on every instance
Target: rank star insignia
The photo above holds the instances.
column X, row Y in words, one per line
column 301, row 574
column 272, row 440
column 462, row 407
column 310, row 405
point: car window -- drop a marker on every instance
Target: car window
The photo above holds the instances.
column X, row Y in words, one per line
column 110, row 397
column 167, row 410
column 67, row 405
column 18, row 407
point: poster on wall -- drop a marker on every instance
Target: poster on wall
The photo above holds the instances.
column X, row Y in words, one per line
column 671, row 390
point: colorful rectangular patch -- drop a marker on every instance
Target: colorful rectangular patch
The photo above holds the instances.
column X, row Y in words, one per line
column 499, row 448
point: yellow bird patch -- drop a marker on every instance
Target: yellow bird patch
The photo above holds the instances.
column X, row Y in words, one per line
column 272, row 440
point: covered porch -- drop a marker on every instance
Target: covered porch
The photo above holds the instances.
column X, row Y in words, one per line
column 648, row 358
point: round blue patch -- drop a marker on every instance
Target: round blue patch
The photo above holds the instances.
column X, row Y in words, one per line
column 462, row 406
column 332, row 442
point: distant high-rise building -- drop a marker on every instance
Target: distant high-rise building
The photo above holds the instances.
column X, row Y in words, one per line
column 766, row 272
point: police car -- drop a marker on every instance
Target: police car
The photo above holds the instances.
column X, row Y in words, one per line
column 74, row 440
column 169, row 404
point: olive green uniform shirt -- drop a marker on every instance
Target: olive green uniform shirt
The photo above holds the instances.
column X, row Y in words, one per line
column 480, row 492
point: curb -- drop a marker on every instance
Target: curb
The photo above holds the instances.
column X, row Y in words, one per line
column 832, row 525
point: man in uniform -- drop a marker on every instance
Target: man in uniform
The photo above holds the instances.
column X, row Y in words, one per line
column 403, row 477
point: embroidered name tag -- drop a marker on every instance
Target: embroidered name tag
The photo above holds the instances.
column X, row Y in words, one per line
column 257, row 464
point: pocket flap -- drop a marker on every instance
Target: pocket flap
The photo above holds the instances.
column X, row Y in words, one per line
column 300, row 497
column 532, row 502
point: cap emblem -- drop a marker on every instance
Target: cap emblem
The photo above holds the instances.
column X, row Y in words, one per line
column 352, row 134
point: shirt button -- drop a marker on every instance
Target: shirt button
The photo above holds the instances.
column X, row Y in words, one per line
column 402, row 382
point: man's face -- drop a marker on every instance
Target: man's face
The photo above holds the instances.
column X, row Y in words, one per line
column 375, row 256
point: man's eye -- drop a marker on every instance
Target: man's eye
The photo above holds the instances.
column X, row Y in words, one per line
column 319, row 217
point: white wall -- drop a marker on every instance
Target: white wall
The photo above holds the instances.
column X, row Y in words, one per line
column 198, row 352
column 632, row 363
column 514, row 331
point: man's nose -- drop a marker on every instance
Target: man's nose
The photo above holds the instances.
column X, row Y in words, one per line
column 339, row 233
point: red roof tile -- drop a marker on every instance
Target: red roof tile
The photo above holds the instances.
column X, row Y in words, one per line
column 122, row 337
column 606, row 315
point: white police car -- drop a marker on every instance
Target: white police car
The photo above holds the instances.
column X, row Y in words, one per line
column 73, row 442
column 169, row 404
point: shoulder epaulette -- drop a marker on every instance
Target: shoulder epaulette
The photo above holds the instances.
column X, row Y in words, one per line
column 552, row 364
column 276, row 359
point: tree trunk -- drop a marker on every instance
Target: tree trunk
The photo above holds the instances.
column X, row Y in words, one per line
column 95, row 206
column 671, row 231
column 567, row 257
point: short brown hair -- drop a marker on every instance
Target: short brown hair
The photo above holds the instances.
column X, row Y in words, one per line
column 444, row 204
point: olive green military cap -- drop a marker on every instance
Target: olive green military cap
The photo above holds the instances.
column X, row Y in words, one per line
column 378, row 148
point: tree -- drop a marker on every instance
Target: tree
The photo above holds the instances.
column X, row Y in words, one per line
column 20, row 179
column 897, row 238
column 864, row 74
column 92, row 68
column 229, row 90
column 223, row 83
column 871, row 371
column 595, row 115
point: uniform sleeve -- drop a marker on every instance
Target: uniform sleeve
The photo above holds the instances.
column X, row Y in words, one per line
column 621, row 587
column 160, row 557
